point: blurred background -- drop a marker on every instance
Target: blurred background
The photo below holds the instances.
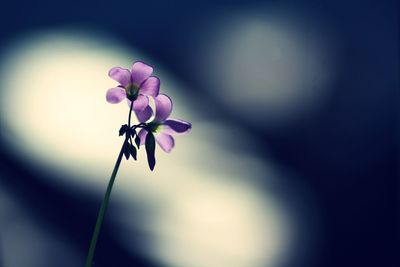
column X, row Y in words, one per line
column 292, row 159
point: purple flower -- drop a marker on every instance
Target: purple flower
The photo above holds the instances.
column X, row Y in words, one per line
column 135, row 85
column 161, row 126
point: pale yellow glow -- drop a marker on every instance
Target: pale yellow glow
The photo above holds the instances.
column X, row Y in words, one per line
column 203, row 207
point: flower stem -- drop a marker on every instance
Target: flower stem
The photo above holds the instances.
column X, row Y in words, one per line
column 103, row 209
column 130, row 114
column 106, row 199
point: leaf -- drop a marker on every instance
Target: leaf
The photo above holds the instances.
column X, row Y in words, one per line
column 150, row 150
column 131, row 132
column 123, row 129
column 132, row 151
column 137, row 141
column 126, row 150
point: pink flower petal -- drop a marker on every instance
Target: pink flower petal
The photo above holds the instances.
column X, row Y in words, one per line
column 123, row 76
column 145, row 114
column 115, row 95
column 150, row 87
column 163, row 107
column 176, row 126
column 142, row 135
column 165, row 141
column 140, row 103
column 140, row 72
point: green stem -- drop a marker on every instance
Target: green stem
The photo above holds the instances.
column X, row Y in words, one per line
column 130, row 114
column 103, row 209
column 106, row 199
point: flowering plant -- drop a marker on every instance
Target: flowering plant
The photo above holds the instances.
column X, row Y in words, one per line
column 137, row 86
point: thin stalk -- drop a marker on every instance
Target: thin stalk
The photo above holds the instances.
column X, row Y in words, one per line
column 106, row 199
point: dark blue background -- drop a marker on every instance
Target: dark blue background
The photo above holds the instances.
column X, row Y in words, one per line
column 348, row 151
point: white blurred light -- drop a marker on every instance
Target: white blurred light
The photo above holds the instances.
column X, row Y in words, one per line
column 270, row 67
column 203, row 209
column 222, row 226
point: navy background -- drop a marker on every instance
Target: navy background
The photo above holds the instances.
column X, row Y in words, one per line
column 348, row 151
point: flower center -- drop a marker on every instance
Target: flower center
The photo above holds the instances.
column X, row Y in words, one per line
column 153, row 126
column 132, row 91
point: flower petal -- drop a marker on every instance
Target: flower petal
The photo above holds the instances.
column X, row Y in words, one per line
column 177, row 126
column 145, row 114
column 121, row 75
column 115, row 95
column 142, row 135
column 150, row 87
column 163, row 107
column 165, row 141
column 140, row 103
column 140, row 72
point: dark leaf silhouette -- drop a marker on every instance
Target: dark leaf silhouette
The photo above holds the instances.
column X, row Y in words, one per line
column 123, row 129
column 150, row 150
column 132, row 151
column 126, row 150
column 137, row 141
